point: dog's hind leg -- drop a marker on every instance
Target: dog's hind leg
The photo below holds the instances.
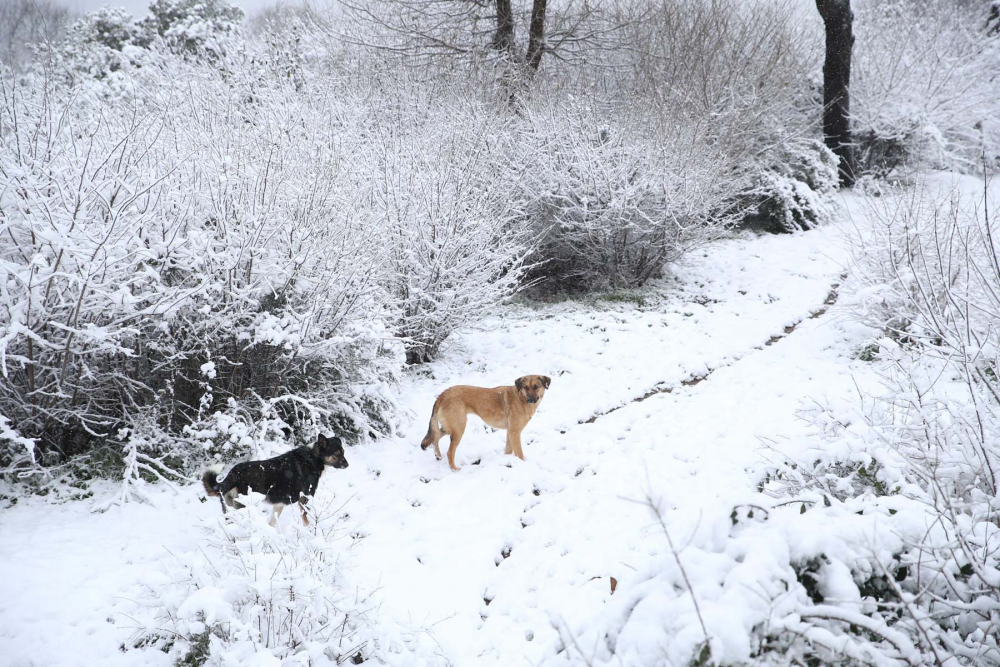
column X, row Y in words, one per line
column 455, row 433
column 437, row 448
column 275, row 514
column 434, row 431
column 433, row 437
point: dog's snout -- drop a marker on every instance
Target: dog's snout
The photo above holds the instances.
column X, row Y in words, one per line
column 532, row 399
column 336, row 461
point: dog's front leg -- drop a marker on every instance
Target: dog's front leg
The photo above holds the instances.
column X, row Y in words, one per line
column 302, row 506
column 509, row 449
column 514, row 443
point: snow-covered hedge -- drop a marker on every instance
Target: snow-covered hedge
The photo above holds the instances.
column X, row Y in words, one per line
column 172, row 248
column 921, row 92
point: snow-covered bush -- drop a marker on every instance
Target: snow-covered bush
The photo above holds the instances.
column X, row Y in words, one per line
column 111, row 27
column 635, row 168
column 612, row 199
column 107, row 39
column 438, row 181
column 926, row 268
column 793, row 188
column 289, row 38
column 258, row 595
column 196, row 246
column 196, row 27
column 776, row 582
column 921, row 453
column 920, row 89
column 918, row 461
column 103, row 41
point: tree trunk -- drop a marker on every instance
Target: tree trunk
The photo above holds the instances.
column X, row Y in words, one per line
column 838, row 17
column 503, row 40
column 536, row 35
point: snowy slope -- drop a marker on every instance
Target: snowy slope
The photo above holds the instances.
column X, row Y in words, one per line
column 509, row 562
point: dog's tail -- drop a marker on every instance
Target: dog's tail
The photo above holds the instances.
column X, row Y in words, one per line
column 433, row 431
column 211, row 480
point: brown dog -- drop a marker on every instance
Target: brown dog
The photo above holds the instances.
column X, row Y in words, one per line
column 507, row 407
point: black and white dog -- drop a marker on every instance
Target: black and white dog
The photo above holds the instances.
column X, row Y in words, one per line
column 286, row 479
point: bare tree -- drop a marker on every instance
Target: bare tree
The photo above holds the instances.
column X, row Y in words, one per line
column 536, row 35
column 421, row 30
column 27, row 22
column 838, row 19
column 503, row 40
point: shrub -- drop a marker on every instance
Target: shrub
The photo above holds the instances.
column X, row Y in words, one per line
column 110, row 27
column 194, row 27
column 438, row 183
column 199, row 247
column 919, row 94
column 102, row 42
column 793, row 188
column 926, row 275
column 253, row 590
column 611, row 200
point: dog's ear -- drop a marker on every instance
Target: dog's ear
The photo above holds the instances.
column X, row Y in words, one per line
column 337, row 442
column 546, row 380
column 519, row 383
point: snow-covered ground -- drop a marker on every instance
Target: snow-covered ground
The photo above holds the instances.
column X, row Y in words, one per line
column 509, row 562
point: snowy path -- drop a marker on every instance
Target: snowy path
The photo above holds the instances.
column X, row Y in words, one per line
column 567, row 518
column 506, row 561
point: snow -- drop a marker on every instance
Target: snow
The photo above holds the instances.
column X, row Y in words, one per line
column 509, row 562
column 64, row 568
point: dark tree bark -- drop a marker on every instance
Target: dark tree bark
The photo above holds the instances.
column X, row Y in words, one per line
column 838, row 19
column 503, row 40
column 536, row 34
